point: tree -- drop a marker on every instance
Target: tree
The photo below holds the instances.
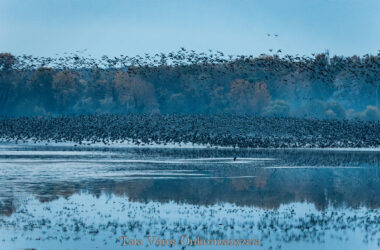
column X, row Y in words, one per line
column 261, row 96
column 41, row 83
column 219, row 101
column 278, row 108
column 248, row 98
column 135, row 94
column 177, row 103
column 335, row 111
column 65, row 89
column 7, row 61
column 371, row 113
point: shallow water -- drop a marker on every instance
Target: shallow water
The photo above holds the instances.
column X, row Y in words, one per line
column 61, row 197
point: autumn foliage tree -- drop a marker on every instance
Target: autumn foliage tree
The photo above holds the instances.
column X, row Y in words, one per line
column 337, row 87
column 65, row 89
column 7, row 61
column 246, row 97
column 135, row 94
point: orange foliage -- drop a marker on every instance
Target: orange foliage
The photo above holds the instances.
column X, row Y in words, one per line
column 134, row 93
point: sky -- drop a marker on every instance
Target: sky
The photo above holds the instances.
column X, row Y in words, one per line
column 135, row 27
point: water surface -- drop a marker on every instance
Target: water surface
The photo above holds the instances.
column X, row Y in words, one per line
column 61, row 197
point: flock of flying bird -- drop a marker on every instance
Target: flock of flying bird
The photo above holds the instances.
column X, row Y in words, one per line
column 319, row 66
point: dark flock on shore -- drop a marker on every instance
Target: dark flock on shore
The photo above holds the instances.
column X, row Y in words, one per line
column 241, row 131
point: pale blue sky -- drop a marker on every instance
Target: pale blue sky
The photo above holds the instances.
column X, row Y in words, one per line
column 130, row 27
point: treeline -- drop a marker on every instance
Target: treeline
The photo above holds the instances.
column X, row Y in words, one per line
column 190, row 82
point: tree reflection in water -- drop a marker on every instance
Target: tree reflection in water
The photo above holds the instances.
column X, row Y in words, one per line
column 277, row 195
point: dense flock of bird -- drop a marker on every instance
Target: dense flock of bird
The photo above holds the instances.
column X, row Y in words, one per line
column 240, row 131
column 206, row 64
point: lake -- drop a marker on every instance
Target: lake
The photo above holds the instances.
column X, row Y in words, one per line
column 65, row 197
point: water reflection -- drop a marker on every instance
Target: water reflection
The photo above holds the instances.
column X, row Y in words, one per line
column 278, row 196
column 261, row 178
